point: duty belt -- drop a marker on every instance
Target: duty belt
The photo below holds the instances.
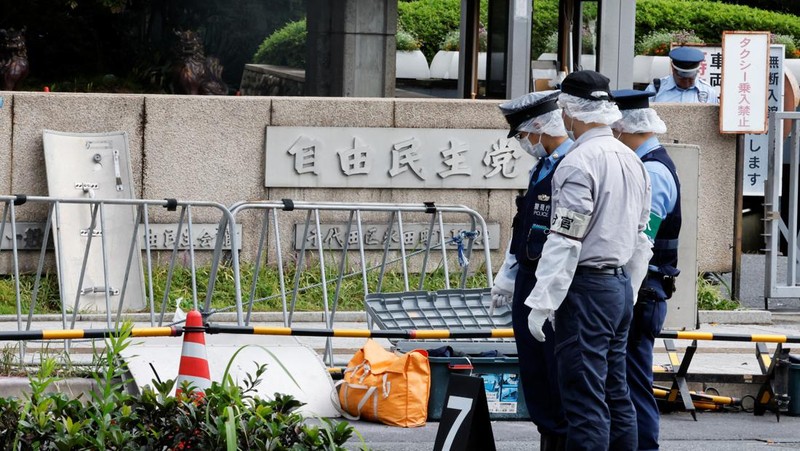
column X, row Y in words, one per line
column 604, row 270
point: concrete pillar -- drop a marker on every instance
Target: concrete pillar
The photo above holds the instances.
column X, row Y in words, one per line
column 519, row 48
column 351, row 48
column 616, row 45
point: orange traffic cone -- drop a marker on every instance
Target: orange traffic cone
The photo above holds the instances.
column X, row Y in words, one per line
column 194, row 360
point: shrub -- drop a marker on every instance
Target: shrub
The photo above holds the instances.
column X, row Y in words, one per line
column 658, row 43
column 790, row 50
column 545, row 24
column 285, row 47
column 587, row 42
column 406, row 41
column 709, row 19
column 431, row 20
column 709, row 296
column 452, row 42
column 224, row 417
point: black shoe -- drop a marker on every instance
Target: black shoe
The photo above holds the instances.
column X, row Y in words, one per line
column 553, row 442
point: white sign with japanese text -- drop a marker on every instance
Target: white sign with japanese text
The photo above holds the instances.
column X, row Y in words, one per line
column 756, row 146
column 342, row 157
column 745, row 69
column 30, row 236
column 415, row 236
column 711, row 68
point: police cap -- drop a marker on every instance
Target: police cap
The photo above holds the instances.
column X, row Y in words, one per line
column 686, row 60
column 631, row 99
column 522, row 109
column 587, row 84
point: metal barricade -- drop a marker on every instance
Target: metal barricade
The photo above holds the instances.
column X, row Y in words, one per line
column 120, row 275
column 775, row 227
column 366, row 233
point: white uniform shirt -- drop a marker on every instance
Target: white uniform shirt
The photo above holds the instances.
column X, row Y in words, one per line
column 605, row 179
column 701, row 92
column 601, row 206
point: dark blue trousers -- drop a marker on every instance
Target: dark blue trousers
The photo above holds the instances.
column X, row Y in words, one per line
column 649, row 314
column 591, row 334
column 537, row 365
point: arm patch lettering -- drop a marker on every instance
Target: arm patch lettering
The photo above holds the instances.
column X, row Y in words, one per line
column 569, row 223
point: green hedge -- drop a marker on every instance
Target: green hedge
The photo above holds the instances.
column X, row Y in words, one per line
column 545, row 23
column 431, row 20
column 285, row 47
column 709, row 19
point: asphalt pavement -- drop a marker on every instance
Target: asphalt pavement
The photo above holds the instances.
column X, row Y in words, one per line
column 716, row 431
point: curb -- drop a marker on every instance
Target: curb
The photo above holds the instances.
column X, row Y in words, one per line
column 734, row 317
column 222, row 317
column 20, row 387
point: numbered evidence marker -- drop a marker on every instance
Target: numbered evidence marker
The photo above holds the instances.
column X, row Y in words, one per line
column 465, row 423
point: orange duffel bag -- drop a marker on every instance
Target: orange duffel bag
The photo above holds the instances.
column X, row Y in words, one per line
column 381, row 386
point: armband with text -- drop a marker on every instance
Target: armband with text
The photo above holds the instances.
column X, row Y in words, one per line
column 652, row 226
column 570, row 223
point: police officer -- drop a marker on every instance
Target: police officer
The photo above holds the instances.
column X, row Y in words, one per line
column 683, row 85
column 637, row 130
column 535, row 120
column 595, row 250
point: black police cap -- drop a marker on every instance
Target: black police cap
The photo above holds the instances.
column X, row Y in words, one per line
column 587, row 84
column 524, row 112
column 631, row 99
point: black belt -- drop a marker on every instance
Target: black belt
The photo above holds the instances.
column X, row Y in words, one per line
column 605, row 270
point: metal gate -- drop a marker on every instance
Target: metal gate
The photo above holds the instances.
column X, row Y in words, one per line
column 775, row 227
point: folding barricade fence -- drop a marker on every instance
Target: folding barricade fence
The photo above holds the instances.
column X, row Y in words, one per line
column 389, row 247
column 114, row 257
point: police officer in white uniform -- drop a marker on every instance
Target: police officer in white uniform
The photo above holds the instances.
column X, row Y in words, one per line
column 595, row 253
column 683, row 85
column 535, row 120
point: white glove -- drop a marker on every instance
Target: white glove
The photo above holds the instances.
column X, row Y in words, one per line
column 503, row 288
column 500, row 297
column 536, row 319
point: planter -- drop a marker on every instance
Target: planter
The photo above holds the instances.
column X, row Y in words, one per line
column 411, row 64
column 661, row 67
column 642, row 67
column 445, row 65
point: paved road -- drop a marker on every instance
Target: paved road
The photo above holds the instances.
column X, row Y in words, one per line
column 712, row 431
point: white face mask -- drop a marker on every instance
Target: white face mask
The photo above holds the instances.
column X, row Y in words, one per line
column 536, row 150
column 564, row 117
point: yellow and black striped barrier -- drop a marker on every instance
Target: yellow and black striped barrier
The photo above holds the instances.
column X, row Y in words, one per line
column 362, row 333
column 73, row 334
column 176, row 331
column 754, row 338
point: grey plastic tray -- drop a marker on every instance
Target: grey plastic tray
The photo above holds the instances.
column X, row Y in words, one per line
column 443, row 309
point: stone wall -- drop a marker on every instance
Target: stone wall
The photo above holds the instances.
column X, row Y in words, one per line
column 212, row 148
column 266, row 80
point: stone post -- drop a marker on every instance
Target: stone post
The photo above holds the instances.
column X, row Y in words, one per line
column 351, row 48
